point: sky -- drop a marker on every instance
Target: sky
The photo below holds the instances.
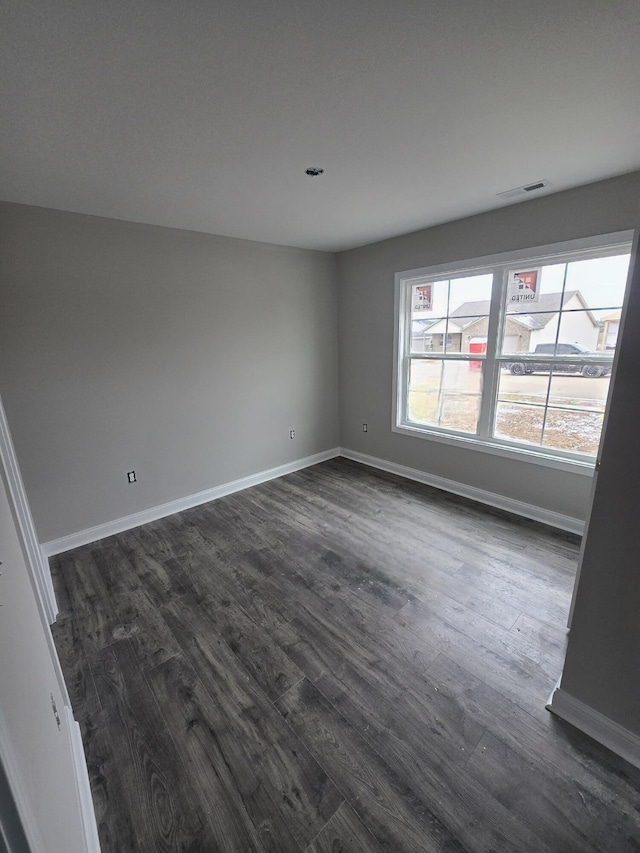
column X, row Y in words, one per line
column 601, row 281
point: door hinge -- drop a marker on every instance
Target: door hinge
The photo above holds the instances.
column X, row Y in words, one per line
column 55, row 711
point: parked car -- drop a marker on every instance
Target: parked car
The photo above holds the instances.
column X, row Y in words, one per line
column 582, row 364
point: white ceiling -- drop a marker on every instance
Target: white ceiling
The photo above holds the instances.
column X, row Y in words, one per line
column 204, row 114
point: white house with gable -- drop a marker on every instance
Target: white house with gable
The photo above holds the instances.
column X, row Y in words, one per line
column 526, row 326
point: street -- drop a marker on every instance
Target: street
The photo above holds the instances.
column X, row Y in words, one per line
column 581, row 390
column 450, row 398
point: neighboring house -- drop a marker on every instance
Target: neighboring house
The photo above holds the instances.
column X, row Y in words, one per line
column 609, row 329
column 524, row 328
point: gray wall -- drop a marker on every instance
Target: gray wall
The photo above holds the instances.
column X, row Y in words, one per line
column 184, row 356
column 602, row 667
column 366, row 323
column 188, row 357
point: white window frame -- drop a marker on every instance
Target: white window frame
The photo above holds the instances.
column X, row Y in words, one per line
column 592, row 247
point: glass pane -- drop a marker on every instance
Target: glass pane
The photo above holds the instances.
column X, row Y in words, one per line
column 575, row 391
column 454, row 338
column 518, row 422
column 429, row 304
column 518, row 385
column 530, row 333
column 470, row 296
column 575, row 407
column 521, row 400
column 601, row 282
column 610, row 324
column 428, row 335
column 576, row 431
column 529, row 324
column 451, row 316
column 593, row 289
column 429, row 300
column 580, row 341
column 444, row 394
column 469, row 306
column 547, row 283
column 579, row 329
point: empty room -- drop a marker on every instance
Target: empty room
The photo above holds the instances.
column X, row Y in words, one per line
column 319, row 334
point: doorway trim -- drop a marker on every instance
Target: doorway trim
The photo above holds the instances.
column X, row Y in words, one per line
column 40, row 573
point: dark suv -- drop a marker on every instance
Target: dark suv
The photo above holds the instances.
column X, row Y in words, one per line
column 580, row 365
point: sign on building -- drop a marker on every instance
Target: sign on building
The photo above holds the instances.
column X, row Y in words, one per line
column 523, row 286
column 423, row 297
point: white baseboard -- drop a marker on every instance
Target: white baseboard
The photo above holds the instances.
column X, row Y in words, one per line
column 546, row 516
column 119, row 525
column 624, row 743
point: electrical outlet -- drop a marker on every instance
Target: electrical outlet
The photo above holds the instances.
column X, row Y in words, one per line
column 365, row 428
column 292, row 433
column 131, row 476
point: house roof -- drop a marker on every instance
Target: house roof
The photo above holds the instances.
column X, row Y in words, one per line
column 612, row 317
column 545, row 310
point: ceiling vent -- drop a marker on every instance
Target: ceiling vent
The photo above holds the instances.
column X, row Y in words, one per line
column 526, row 190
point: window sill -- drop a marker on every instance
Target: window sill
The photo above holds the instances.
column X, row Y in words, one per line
column 560, row 463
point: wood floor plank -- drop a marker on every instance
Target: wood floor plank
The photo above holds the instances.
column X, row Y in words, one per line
column 344, row 833
column 165, row 815
column 378, row 590
column 239, row 570
column 119, row 828
column 293, row 779
column 338, row 532
column 480, row 530
column 525, row 791
column 457, row 590
column 446, row 549
column 556, row 761
column 243, row 814
column 231, row 529
column 549, row 640
column 77, row 672
column 158, row 539
column 262, row 658
column 242, row 668
column 130, row 598
column 521, row 673
column 348, row 616
column 267, row 607
column 394, row 723
column 506, row 587
column 398, row 819
column 371, row 695
column 310, row 555
column 203, row 578
column 161, row 578
column 88, row 599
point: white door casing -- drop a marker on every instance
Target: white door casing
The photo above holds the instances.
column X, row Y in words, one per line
column 40, row 745
column 40, row 573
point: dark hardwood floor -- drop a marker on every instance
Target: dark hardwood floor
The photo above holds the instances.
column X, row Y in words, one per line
column 338, row 660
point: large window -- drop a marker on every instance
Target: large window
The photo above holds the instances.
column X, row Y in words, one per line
column 514, row 353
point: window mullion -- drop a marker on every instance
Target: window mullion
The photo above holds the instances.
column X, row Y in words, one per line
column 491, row 370
column 406, row 360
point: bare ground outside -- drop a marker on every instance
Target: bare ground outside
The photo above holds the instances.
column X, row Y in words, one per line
column 573, row 421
